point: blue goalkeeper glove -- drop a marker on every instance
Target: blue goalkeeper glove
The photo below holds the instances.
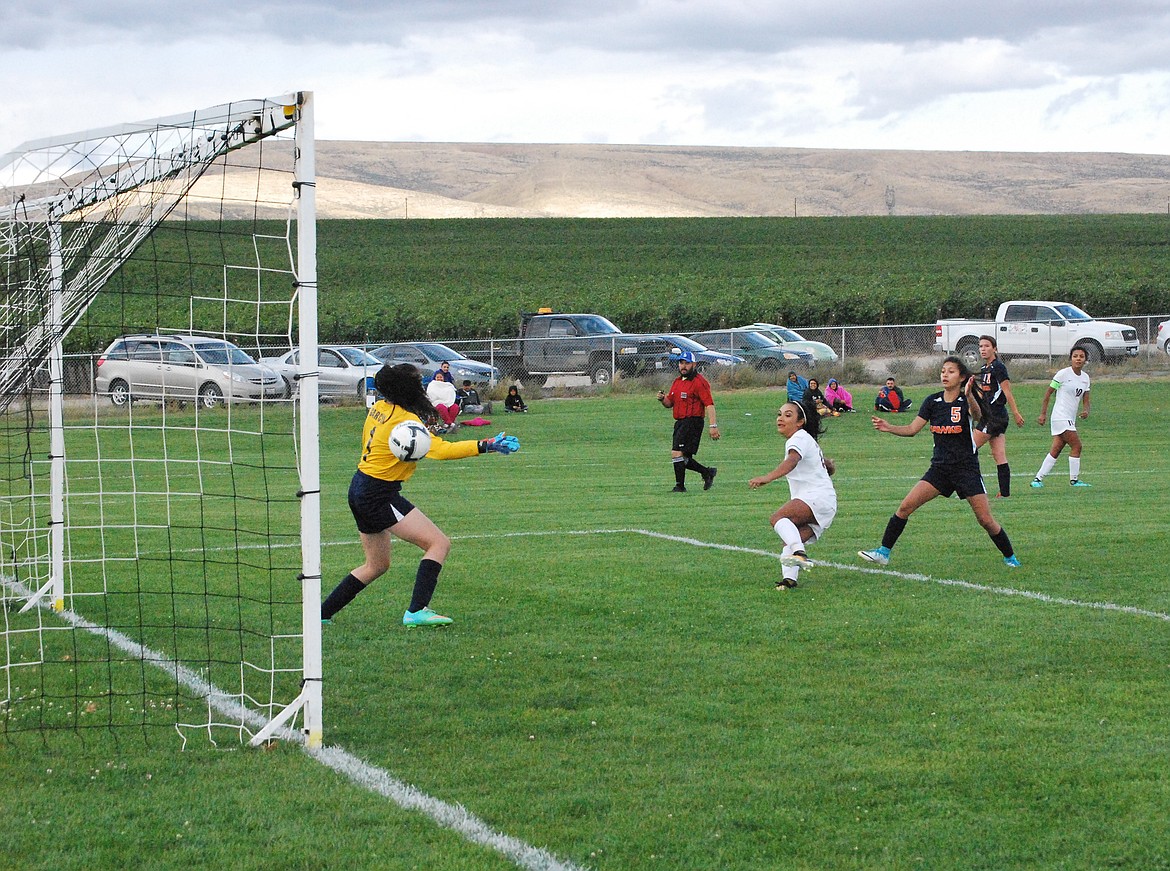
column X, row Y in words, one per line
column 501, row 444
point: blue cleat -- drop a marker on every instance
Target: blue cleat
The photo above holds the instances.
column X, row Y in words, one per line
column 879, row 555
column 1037, row 483
column 1078, row 483
column 424, row 617
column 1012, row 562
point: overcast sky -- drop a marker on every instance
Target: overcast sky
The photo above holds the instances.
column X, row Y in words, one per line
column 993, row 75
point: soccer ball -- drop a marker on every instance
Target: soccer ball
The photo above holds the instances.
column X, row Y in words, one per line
column 410, row 441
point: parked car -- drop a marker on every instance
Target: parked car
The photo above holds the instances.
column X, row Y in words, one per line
column 756, row 348
column 343, row 370
column 183, row 368
column 1163, row 340
column 428, row 355
column 787, row 338
column 703, row 355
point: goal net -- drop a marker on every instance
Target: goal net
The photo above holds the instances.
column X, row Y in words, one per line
column 159, row 498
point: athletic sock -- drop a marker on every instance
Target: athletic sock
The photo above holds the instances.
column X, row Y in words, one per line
column 1046, row 466
column 695, row 466
column 1001, row 541
column 425, row 581
column 1074, row 468
column 1004, row 473
column 341, row 596
column 788, row 533
column 893, row 531
column 790, row 573
column 680, row 470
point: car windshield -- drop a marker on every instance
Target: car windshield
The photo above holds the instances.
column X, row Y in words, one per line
column 439, row 353
column 756, row 340
column 787, row 334
column 358, row 357
column 222, row 354
column 1072, row 313
column 595, row 325
column 685, row 344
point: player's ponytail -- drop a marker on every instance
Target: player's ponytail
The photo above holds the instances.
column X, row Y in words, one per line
column 402, row 385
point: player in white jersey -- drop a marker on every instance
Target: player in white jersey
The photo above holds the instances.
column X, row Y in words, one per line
column 1071, row 387
column 813, row 503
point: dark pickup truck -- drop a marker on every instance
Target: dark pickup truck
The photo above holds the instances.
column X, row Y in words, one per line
column 554, row 343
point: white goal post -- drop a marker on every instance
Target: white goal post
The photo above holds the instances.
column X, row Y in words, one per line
column 141, row 526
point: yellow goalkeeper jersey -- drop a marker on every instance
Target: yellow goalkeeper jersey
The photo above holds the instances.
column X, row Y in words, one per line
column 378, row 461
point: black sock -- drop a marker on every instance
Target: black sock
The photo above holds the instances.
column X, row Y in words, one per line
column 425, row 581
column 1001, row 541
column 680, row 471
column 893, row 530
column 341, row 596
column 695, row 466
column 1004, row 473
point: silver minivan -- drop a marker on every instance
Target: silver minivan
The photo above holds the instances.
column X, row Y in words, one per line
column 184, row 369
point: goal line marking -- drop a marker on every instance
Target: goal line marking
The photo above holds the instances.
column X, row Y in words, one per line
column 363, row 774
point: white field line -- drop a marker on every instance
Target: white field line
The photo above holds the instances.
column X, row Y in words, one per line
column 369, row 777
column 907, row 576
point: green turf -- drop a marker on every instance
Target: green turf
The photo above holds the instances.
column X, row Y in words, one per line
column 627, row 700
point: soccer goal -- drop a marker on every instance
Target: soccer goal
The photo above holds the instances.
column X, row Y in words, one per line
column 159, row 501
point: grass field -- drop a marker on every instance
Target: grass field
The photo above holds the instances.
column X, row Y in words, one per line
column 624, row 688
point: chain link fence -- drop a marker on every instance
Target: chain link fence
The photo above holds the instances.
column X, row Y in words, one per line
column 865, row 355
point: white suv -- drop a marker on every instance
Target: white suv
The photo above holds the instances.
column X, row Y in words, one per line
column 184, row 369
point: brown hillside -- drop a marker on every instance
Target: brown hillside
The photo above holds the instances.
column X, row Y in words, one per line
column 448, row 180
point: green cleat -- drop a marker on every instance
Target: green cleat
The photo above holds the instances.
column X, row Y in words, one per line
column 1078, row 483
column 424, row 617
column 1037, row 483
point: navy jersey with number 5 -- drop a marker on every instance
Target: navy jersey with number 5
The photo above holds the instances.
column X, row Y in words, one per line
column 950, row 424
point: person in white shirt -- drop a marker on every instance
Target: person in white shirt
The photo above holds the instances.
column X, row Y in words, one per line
column 441, row 393
column 1071, row 387
column 813, row 500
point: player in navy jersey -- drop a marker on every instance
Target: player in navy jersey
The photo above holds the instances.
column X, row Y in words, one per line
column 954, row 467
column 995, row 388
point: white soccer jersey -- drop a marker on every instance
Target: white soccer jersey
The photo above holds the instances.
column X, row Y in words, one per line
column 1069, row 388
column 809, row 481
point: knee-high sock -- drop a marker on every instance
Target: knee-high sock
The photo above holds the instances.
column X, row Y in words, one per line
column 790, row 572
column 893, row 531
column 425, row 581
column 680, row 469
column 341, row 596
column 1074, row 468
column 788, row 533
column 1001, row 541
column 695, row 466
column 1046, row 466
column 1004, row 473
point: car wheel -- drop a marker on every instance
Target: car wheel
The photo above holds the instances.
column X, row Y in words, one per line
column 770, row 365
column 210, row 395
column 119, row 392
column 968, row 352
column 1093, row 351
column 1166, row 347
column 288, row 388
column 601, row 374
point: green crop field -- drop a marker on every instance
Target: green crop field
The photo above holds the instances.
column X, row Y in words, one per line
column 408, row 280
column 624, row 688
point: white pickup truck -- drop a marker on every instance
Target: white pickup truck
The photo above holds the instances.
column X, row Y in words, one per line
column 1037, row 328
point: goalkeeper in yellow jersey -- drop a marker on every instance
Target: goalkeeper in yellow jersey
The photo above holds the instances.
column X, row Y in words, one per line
column 377, row 503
